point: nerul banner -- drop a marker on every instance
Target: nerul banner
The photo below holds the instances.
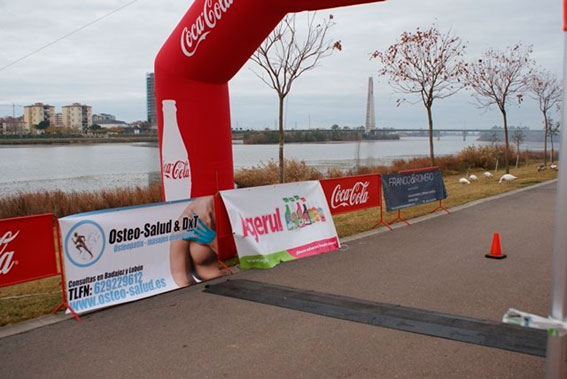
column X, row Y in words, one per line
column 273, row 224
column 121, row 255
column 27, row 249
column 408, row 189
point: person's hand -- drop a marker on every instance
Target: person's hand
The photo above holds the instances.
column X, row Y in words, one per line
column 204, row 207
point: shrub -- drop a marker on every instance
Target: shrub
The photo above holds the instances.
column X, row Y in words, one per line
column 63, row 204
column 268, row 173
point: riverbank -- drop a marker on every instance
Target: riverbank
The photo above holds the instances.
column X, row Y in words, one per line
column 37, row 140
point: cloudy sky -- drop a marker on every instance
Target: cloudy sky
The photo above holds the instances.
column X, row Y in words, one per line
column 104, row 65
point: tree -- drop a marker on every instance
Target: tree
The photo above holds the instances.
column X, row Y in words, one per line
column 518, row 138
column 42, row 125
column 284, row 58
column 498, row 77
column 545, row 88
column 425, row 63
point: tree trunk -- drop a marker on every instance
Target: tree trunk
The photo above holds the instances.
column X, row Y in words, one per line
column 430, row 123
column 552, row 151
column 281, row 130
column 507, row 152
column 546, row 122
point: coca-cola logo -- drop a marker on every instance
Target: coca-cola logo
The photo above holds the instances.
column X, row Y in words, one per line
column 176, row 170
column 355, row 195
column 193, row 35
column 7, row 257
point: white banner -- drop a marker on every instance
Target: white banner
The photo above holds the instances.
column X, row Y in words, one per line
column 122, row 255
column 273, row 224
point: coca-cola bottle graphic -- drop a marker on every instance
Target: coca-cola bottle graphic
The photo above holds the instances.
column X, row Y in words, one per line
column 175, row 169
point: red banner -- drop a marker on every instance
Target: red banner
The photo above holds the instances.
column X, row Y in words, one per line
column 353, row 193
column 226, row 248
column 27, row 249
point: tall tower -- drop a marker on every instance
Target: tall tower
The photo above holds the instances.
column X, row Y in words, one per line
column 370, row 116
column 151, row 98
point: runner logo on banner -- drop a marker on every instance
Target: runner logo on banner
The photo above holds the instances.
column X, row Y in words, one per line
column 273, row 224
column 121, row 255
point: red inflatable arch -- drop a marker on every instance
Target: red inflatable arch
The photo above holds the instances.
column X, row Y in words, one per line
column 212, row 42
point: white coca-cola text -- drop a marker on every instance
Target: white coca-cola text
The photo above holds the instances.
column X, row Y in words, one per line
column 176, row 170
column 357, row 194
column 7, row 257
column 193, row 35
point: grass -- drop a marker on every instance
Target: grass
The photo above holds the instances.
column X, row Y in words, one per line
column 362, row 221
column 33, row 299
column 29, row 300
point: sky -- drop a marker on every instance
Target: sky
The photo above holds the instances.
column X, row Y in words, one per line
column 104, row 65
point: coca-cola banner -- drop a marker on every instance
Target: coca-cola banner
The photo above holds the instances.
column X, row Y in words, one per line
column 211, row 43
column 273, row 224
column 27, row 249
column 121, row 255
column 408, row 189
column 352, row 193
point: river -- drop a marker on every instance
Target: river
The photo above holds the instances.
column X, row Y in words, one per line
column 32, row 168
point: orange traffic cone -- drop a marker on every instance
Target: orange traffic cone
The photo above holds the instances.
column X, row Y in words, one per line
column 496, row 250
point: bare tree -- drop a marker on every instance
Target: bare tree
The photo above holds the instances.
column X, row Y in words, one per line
column 425, row 63
column 284, row 58
column 545, row 88
column 518, row 137
column 498, row 77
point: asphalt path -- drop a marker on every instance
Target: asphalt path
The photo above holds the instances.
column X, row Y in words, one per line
column 436, row 264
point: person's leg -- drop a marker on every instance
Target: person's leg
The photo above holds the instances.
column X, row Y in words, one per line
column 180, row 262
column 206, row 263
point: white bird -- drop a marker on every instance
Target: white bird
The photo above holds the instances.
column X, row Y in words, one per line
column 553, row 167
column 464, row 181
column 487, row 175
column 473, row 178
column 507, row 178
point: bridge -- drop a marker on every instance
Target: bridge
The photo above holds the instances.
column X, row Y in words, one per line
column 464, row 132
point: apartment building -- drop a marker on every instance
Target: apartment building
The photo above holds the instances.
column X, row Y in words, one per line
column 36, row 113
column 77, row 116
column 58, row 120
column 103, row 117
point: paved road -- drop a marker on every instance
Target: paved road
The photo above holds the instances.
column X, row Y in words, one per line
column 437, row 264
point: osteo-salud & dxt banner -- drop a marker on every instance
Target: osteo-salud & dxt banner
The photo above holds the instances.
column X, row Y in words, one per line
column 126, row 254
column 273, row 224
column 213, row 40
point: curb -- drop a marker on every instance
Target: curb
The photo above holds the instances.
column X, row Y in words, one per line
column 439, row 214
column 26, row 326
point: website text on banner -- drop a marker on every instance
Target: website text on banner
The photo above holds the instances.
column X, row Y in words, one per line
column 126, row 254
column 212, row 42
column 352, row 193
column 273, row 224
column 407, row 189
column 27, row 249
